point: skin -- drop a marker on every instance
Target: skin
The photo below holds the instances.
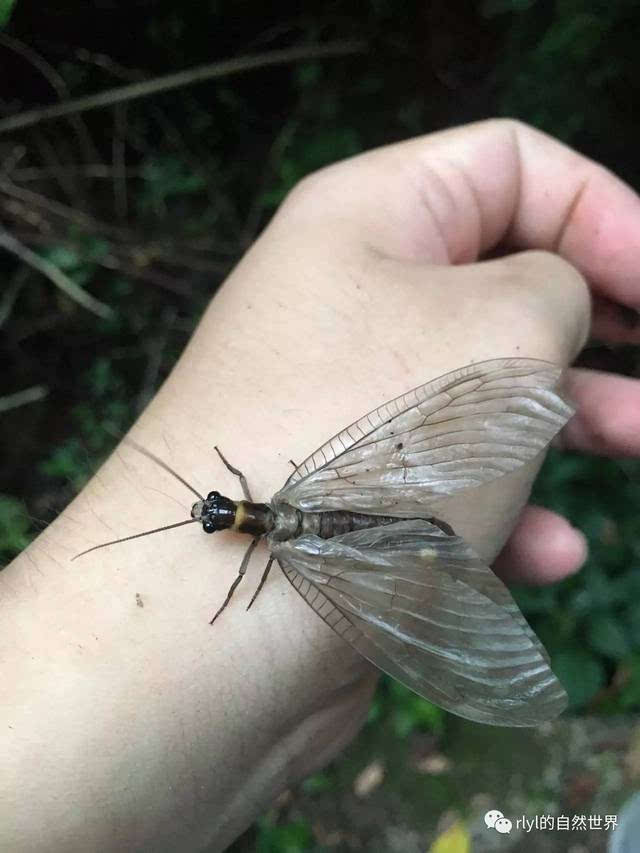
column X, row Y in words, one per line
column 128, row 727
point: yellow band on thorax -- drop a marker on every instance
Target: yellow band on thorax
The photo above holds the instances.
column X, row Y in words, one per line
column 241, row 515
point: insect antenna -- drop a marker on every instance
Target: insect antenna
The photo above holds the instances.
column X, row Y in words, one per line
column 162, row 464
column 135, row 536
column 169, row 470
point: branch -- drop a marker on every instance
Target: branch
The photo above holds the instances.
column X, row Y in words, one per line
column 168, row 82
column 57, row 83
column 54, row 274
column 21, row 398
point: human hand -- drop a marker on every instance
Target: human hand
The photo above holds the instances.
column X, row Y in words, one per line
column 365, row 284
column 445, row 200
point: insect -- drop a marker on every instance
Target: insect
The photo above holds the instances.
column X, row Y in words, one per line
column 352, row 531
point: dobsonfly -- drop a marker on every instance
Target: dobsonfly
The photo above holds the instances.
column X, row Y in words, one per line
column 352, row 531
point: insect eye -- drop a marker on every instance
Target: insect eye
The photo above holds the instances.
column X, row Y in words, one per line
column 213, row 495
column 208, row 526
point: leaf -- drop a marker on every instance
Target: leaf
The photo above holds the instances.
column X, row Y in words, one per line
column 62, row 256
column 581, row 674
column 597, row 584
column 6, row 7
column 607, row 636
column 14, row 525
column 456, row 839
column 632, row 622
column 294, row 837
column 535, row 601
column 629, row 696
column 411, row 711
column 319, row 783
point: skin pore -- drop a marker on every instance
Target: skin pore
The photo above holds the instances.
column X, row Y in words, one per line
column 128, row 727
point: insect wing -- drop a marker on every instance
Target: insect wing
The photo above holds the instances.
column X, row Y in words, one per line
column 454, row 433
column 423, row 607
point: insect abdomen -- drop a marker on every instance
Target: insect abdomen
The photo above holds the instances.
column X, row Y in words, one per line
column 289, row 523
column 333, row 523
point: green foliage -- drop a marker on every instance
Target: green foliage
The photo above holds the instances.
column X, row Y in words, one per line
column 629, row 695
column 319, row 783
column 15, row 527
column 560, row 65
column 607, row 636
column 67, row 462
column 81, row 258
column 101, row 417
column 6, row 8
column 292, row 837
column 411, row 712
column 168, row 177
column 591, row 623
column 581, row 672
column 403, row 711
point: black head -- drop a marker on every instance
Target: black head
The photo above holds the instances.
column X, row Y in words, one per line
column 215, row 512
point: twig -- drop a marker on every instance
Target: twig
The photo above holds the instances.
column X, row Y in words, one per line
column 119, row 164
column 21, row 398
column 56, row 82
column 54, row 274
column 127, row 259
column 50, row 154
column 91, row 170
column 10, row 162
column 65, row 211
column 158, row 279
column 106, row 63
column 168, row 82
column 11, row 293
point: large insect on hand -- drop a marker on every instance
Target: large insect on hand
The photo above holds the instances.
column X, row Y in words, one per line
column 353, row 533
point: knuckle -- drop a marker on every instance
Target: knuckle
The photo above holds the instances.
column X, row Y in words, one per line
column 562, row 292
column 310, row 191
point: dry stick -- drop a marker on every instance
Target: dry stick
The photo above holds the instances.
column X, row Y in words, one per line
column 185, row 256
column 90, row 170
column 126, row 259
column 65, row 211
column 181, row 78
column 11, row 293
column 21, row 398
column 11, row 161
column 54, row 274
column 56, row 82
column 154, row 252
column 119, row 163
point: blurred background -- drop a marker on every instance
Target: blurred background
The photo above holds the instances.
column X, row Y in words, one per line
column 119, row 217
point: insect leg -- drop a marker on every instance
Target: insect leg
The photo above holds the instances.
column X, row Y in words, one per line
column 241, row 571
column 239, row 475
column 262, row 580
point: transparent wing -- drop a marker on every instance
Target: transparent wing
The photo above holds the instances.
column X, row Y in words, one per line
column 423, row 607
column 457, row 432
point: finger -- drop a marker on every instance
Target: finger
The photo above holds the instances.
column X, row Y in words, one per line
column 607, row 418
column 451, row 196
column 543, row 548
